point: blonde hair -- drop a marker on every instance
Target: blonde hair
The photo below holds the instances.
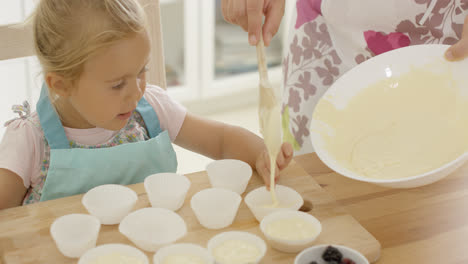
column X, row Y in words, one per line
column 68, row 32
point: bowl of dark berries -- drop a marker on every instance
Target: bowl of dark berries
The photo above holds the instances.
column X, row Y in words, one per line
column 330, row 254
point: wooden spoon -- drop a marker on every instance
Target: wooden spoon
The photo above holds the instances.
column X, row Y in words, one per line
column 269, row 116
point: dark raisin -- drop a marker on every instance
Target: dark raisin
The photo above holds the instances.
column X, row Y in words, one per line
column 347, row 261
column 332, row 254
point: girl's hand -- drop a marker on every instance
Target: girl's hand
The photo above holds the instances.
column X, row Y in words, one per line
column 249, row 15
column 282, row 161
column 459, row 50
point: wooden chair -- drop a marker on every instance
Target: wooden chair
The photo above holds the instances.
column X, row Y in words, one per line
column 17, row 42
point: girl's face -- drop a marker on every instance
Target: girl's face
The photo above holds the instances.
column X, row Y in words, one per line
column 112, row 83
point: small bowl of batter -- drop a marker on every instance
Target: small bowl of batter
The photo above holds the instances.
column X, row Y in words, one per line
column 260, row 201
column 236, row 247
column 113, row 253
column 183, row 253
column 290, row 231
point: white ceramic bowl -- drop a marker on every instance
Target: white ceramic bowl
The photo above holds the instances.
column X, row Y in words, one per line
column 183, row 249
column 167, row 190
column 74, row 234
column 126, row 254
column 219, row 239
column 288, row 245
column 258, row 200
column 229, row 174
column 392, row 63
column 152, row 228
column 215, row 208
column 110, row 203
column 315, row 254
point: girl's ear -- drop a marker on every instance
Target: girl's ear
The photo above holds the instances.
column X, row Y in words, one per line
column 58, row 84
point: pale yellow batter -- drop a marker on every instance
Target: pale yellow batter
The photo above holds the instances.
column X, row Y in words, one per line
column 236, row 252
column 399, row 127
column 117, row 258
column 294, row 228
column 270, row 127
column 183, row 259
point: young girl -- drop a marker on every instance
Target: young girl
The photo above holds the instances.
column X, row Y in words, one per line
column 97, row 120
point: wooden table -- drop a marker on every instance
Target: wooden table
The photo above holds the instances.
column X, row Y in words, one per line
column 416, row 226
column 426, row 225
column 25, row 238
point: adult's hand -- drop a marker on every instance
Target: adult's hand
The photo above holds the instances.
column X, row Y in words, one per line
column 249, row 15
column 459, row 50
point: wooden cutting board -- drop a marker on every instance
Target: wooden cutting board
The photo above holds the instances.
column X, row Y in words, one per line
column 24, row 231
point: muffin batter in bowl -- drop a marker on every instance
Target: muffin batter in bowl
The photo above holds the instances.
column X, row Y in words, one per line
column 236, row 251
column 398, row 127
column 293, row 228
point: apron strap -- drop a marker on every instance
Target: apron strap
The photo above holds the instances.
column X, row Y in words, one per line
column 50, row 121
column 149, row 117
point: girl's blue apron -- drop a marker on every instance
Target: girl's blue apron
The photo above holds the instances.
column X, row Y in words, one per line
column 77, row 170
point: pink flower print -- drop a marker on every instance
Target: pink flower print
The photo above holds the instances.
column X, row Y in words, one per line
column 449, row 41
column 464, row 6
column 360, row 58
column 417, row 34
column 379, row 43
column 296, row 51
column 328, row 73
column 309, row 43
column 435, row 21
column 440, row 4
column 336, row 59
column 302, row 128
column 306, row 85
column 294, row 100
column 458, row 28
column 307, row 10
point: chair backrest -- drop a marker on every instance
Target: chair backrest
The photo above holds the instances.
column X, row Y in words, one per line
column 17, row 42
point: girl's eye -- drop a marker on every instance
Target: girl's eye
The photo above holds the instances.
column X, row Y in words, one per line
column 145, row 69
column 119, row 86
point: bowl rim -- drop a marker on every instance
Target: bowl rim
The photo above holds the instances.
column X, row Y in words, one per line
column 148, row 181
column 241, row 163
column 152, row 177
column 268, row 218
column 324, row 246
column 340, row 171
column 206, row 253
column 86, row 199
column 83, row 259
column 124, row 226
column 261, row 243
column 321, row 151
column 248, row 196
column 196, row 196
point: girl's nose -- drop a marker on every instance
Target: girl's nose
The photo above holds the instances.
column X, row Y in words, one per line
column 135, row 91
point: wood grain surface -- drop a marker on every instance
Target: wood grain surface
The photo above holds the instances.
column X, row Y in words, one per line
column 25, row 238
column 425, row 225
